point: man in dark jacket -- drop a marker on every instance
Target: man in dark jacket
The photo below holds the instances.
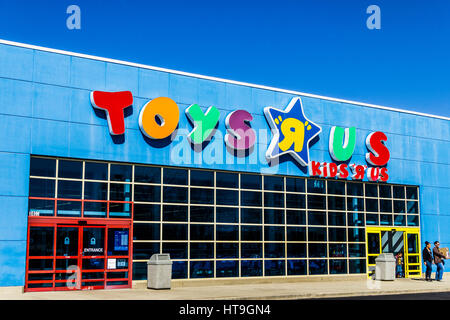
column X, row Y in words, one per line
column 427, row 256
column 438, row 261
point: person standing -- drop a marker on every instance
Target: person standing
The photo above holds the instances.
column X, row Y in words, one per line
column 399, row 263
column 427, row 257
column 438, row 261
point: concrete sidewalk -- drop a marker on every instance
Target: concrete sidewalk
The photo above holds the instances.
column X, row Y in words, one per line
column 265, row 291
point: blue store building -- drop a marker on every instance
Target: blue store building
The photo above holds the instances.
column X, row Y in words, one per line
column 104, row 163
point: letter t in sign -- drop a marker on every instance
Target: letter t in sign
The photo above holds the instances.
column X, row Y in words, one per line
column 114, row 104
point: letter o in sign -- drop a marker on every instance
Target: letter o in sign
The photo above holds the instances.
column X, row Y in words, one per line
column 159, row 118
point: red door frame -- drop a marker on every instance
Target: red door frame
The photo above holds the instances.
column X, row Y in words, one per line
column 81, row 224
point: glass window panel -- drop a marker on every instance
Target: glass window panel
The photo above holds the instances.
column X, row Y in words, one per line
column 295, row 217
column 372, row 219
column 317, row 250
column 355, row 204
column 296, row 250
column 399, row 220
column 251, row 198
column 251, row 268
column 251, row 181
column 227, row 232
column 372, row 205
column 337, row 250
column 296, row 233
column 355, row 219
column 202, row 250
column 40, row 264
column 316, row 202
column 42, row 167
column 296, row 267
column 144, row 250
column 272, row 233
column 41, row 241
column 296, row 201
column 147, row 174
column 175, row 231
column 227, row 268
column 337, row 234
column 411, row 193
column 357, row 266
column 227, row 250
column 295, row 184
column 399, row 206
column 386, row 219
column 202, row 232
column 227, row 180
column 399, row 192
column 118, row 242
column 318, row 266
column 175, row 176
column 317, row 218
column 147, row 212
column 316, row 186
column 175, row 213
column 147, row 193
column 336, row 187
column 95, row 191
column 41, row 207
column 96, row 171
column 119, row 210
column 146, row 231
column 273, row 216
column 227, row 214
column 202, row 178
column 177, row 250
column 317, row 234
column 355, row 189
column 412, row 207
column 336, row 219
column 385, row 205
column 338, row 266
column 356, row 250
column 70, row 169
column 202, row 196
column 69, row 189
column 251, row 215
column 251, row 250
column 385, row 191
column 120, row 192
column 251, row 233
column 273, row 183
column 42, row 188
column 273, row 250
column 175, row 194
column 69, row 208
column 120, row 172
column 274, row 267
column 95, row 209
column 356, row 235
column 202, row 214
column 227, row 197
column 371, row 190
column 139, row 270
column 274, row 199
column 179, row 269
column 336, row 203
column 202, row 269
column 413, row 221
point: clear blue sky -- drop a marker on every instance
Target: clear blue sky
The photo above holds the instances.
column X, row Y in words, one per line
column 314, row 46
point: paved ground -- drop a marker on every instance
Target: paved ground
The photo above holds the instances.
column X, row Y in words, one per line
column 434, row 296
column 271, row 291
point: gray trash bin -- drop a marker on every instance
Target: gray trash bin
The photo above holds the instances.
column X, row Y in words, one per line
column 159, row 271
column 385, row 267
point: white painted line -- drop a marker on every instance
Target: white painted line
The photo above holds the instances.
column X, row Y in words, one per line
column 137, row 65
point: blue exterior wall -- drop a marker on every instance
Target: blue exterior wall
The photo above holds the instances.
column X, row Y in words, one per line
column 45, row 110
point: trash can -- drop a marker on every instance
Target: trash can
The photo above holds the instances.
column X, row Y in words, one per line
column 159, row 271
column 385, row 267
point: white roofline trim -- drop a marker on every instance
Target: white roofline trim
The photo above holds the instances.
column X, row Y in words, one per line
column 137, row 65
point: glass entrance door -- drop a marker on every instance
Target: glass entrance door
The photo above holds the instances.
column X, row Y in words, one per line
column 412, row 257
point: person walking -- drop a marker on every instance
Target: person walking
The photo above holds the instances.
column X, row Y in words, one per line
column 438, row 261
column 427, row 257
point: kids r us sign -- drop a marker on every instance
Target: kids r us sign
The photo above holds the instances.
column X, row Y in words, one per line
column 292, row 133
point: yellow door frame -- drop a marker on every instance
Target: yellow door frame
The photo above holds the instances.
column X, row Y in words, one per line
column 411, row 269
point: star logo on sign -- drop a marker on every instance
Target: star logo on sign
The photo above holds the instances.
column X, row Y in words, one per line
column 292, row 132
